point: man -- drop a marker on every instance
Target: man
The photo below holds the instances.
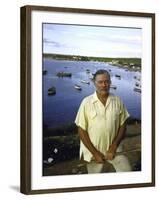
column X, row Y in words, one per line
column 101, row 121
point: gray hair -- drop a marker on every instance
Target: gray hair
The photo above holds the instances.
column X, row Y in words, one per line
column 101, row 71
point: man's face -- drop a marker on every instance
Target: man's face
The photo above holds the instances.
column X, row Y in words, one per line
column 102, row 83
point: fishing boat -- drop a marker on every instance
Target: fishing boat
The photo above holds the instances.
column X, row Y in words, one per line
column 118, row 76
column 113, row 87
column 44, row 72
column 137, row 78
column 137, row 90
column 64, row 74
column 137, row 84
column 84, row 81
column 52, row 91
column 78, row 87
column 91, row 78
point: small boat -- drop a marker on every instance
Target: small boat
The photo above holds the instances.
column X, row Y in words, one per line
column 137, row 78
column 113, row 87
column 118, row 76
column 88, row 70
column 91, row 78
column 137, row 84
column 52, row 91
column 78, row 87
column 137, row 90
column 44, row 72
column 64, row 74
column 109, row 70
column 83, row 81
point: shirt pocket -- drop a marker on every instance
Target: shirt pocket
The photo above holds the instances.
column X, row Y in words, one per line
column 116, row 115
column 93, row 114
column 92, row 120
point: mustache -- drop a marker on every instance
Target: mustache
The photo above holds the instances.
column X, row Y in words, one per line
column 104, row 89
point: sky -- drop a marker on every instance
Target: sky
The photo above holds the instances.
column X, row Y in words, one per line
column 92, row 40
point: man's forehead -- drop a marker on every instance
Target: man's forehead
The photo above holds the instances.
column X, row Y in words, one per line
column 103, row 76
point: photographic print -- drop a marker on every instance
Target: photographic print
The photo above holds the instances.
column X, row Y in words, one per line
column 87, row 99
column 71, row 56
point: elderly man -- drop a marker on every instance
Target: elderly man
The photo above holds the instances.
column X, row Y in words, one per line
column 101, row 121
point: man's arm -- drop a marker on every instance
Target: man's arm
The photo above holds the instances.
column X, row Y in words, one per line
column 98, row 156
column 113, row 147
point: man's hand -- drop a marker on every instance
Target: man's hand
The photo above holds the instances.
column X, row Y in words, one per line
column 99, row 157
column 110, row 154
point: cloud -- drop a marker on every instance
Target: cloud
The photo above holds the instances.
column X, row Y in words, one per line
column 52, row 43
column 126, row 38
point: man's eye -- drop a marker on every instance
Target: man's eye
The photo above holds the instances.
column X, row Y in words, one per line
column 105, row 82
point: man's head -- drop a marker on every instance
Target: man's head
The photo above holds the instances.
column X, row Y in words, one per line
column 102, row 81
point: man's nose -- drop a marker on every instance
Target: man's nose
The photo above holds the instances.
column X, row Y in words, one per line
column 104, row 84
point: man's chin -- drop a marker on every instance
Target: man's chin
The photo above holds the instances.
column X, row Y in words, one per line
column 104, row 91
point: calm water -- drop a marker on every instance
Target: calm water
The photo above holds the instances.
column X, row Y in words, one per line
column 62, row 107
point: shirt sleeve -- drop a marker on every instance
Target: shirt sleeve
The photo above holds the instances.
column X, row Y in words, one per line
column 81, row 117
column 123, row 114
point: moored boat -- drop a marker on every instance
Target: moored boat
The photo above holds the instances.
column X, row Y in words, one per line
column 137, row 90
column 52, row 91
column 118, row 76
column 137, row 78
column 113, row 87
column 64, row 74
column 44, row 72
column 137, row 84
column 84, row 81
column 78, row 87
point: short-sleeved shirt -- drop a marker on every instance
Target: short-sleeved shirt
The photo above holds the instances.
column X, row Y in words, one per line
column 101, row 122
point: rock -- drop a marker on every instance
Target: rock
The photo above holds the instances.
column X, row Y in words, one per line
column 74, row 171
column 50, row 160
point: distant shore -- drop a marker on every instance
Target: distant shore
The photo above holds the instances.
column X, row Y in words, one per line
column 133, row 64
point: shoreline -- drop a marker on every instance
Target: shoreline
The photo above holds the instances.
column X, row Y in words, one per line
column 131, row 64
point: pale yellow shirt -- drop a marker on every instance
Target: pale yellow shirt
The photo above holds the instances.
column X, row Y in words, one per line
column 101, row 122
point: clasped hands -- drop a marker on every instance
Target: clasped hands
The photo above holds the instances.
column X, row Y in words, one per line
column 110, row 154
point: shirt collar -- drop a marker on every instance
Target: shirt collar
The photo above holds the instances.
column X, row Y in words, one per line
column 95, row 98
